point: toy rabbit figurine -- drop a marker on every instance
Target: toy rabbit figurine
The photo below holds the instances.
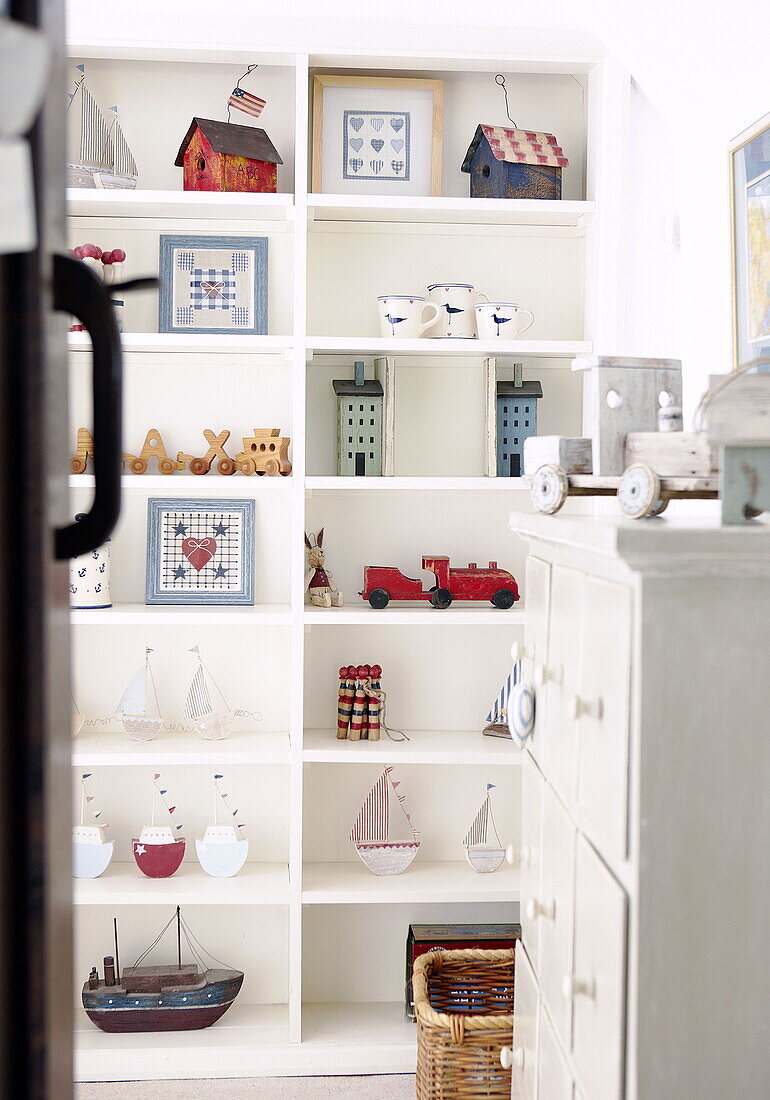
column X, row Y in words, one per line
column 319, row 586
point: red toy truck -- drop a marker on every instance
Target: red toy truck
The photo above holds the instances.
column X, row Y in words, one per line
column 384, row 583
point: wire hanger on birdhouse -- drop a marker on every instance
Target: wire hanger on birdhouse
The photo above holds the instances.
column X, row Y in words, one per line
column 243, row 100
column 500, row 81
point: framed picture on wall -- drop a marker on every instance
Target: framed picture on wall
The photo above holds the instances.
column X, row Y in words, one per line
column 750, row 185
column 377, row 135
column 200, row 551
column 213, row 284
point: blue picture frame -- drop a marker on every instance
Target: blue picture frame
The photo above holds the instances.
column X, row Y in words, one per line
column 183, row 307
column 193, row 544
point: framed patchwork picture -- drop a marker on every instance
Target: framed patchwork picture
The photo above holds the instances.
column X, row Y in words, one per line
column 750, row 179
column 213, row 284
column 377, row 135
column 200, row 551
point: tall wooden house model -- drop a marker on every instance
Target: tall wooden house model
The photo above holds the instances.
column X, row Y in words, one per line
column 359, row 425
column 222, row 156
column 514, row 164
column 516, row 421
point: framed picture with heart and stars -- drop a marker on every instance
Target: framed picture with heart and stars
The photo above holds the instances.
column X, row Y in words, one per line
column 376, row 135
column 200, row 551
column 213, row 284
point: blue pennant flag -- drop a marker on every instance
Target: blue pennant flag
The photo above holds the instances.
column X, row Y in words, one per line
column 87, row 775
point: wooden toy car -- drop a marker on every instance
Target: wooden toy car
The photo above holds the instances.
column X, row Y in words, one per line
column 385, row 583
column 265, row 452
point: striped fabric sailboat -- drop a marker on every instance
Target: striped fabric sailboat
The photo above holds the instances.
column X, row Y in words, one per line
column 98, row 155
column 371, row 832
column 483, row 856
column 212, row 723
column 497, row 719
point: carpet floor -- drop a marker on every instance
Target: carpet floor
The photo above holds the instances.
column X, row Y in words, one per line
column 385, row 1087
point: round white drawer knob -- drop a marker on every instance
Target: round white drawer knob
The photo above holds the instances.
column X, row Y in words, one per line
column 506, row 1058
column 510, row 855
column 572, row 987
column 525, row 855
column 519, row 1057
column 535, row 909
column 517, row 652
column 614, row 399
column 577, row 707
column 574, row 707
column 541, row 675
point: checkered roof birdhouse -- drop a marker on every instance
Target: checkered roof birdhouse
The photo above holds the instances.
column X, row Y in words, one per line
column 514, row 164
column 222, row 156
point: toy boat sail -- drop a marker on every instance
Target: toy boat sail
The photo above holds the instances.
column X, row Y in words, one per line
column 497, row 719
column 137, row 723
column 222, row 852
column 371, row 830
column 481, row 855
column 78, row 718
column 91, row 853
column 158, row 853
column 98, row 154
column 211, row 723
column 180, row 997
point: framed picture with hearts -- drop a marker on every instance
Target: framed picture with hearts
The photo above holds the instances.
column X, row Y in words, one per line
column 377, row 135
column 213, row 284
column 200, row 551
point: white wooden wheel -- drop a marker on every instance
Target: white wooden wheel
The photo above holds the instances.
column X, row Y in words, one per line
column 639, row 491
column 550, row 489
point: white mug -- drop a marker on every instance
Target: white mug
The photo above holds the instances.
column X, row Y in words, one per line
column 456, row 302
column 402, row 315
column 502, row 319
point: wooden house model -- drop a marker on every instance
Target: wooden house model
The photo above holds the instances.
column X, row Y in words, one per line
column 359, row 425
column 516, row 421
column 514, row 164
column 222, row 156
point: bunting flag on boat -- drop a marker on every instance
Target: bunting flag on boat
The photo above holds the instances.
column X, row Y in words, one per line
column 498, row 714
column 87, row 799
column 163, row 791
column 224, row 796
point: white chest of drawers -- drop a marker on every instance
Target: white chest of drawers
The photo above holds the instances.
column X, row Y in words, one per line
column 646, row 812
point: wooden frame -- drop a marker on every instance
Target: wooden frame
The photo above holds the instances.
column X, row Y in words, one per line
column 330, row 80
column 743, row 348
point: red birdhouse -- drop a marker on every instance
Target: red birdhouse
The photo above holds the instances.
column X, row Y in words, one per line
column 221, row 156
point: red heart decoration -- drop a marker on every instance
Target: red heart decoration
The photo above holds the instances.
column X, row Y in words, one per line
column 199, row 552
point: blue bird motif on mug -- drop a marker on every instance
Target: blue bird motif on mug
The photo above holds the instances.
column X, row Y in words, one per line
column 500, row 321
column 393, row 321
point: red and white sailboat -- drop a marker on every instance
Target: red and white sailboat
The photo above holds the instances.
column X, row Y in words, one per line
column 371, row 832
column 158, row 851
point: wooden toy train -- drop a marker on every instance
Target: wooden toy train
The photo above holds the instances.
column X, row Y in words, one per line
column 638, row 451
column 385, row 583
column 265, row 451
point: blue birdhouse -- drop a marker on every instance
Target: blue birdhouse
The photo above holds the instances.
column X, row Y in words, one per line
column 516, row 420
column 514, row 164
column 359, row 425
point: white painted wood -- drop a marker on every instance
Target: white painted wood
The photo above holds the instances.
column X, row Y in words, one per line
column 451, row 211
column 531, row 856
column 535, row 664
column 490, row 417
column 672, row 454
column 182, row 205
column 141, row 614
column 369, row 345
column 556, row 909
column 554, row 1079
column 561, row 680
column 739, row 413
column 124, row 884
column 598, row 976
column 525, row 1031
column 92, row 749
column 508, row 485
column 423, row 747
column 353, row 884
column 406, row 614
column 186, row 343
column 573, row 455
column 385, row 371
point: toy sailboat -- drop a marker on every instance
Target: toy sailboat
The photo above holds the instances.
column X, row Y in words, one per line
column 91, row 853
column 211, row 724
column 98, row 155
column 137, row 723
column 158, row 853
column 78, row 718
column 222, row 853
column 371, row 830
column 497, row 719
column 481, row 855
column 180, row 997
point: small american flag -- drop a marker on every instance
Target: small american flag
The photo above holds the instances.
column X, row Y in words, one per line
column 245, row 101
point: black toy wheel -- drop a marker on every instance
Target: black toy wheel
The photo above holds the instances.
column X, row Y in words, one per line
column 379, row 598
column 504, row 598
column 441, row 598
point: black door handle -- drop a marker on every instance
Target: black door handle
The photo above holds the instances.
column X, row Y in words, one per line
column 79, row 291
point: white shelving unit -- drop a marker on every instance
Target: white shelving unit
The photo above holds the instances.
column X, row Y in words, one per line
column 302, row 918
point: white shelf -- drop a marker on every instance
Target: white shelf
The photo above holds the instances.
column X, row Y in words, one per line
column 124, row 884
column 417, row 484
column 117, row 749
column 236, row 485
column 353, row 884
column 212, row 205
column 139, row 614
column 407, row 614
column 451, row 211
column 423, row 747
column 185, row 343
column 252, row 1041
column 368, row 345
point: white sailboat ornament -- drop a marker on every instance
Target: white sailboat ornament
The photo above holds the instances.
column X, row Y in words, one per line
column 97, row 155
column 483, row 856
column 222, row 852
column 212, row 724
column 91, row 853
column 137, row 723
column 371, row 830
column 78, row 718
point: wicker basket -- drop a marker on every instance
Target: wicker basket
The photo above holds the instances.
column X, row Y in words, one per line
column 464, row 1006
